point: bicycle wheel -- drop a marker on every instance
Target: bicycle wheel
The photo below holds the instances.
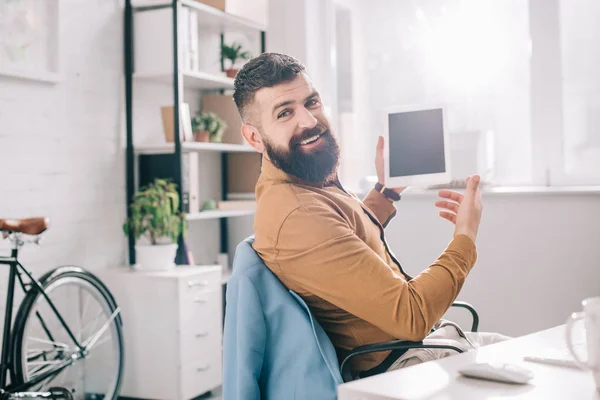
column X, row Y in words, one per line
column 41, row 342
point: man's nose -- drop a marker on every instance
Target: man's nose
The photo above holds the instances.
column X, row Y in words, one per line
column 306, row 119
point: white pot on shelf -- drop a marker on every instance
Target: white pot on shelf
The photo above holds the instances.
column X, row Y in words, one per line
column 158, row 257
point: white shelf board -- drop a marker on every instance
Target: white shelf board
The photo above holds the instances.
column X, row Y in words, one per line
column 193, row 80
column 167, row 148
column 210, row 17
column 218, row 214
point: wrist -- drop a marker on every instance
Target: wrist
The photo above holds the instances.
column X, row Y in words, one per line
column 388, row 193
column 470, row 235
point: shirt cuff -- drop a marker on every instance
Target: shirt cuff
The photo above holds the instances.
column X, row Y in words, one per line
column 383, row 209
column 465, row 247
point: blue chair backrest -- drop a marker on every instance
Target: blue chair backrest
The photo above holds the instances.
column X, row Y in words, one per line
column 273, row 348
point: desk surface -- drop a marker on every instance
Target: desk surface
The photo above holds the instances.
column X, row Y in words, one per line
column 439, row 380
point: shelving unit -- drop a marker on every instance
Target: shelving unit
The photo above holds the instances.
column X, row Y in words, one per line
column 198, row 298
column 180, row 79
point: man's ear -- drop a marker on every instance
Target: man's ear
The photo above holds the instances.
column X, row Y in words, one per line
column 250, row 133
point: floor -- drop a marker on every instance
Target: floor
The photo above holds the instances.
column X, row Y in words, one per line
column 216, row 394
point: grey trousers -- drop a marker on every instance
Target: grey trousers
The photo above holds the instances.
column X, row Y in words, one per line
column 447, row 333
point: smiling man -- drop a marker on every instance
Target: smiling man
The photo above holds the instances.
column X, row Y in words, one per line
column 325, row 243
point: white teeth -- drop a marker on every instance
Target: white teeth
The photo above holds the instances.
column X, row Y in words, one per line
column 310, row 140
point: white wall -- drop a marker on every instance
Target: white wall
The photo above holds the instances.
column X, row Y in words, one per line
column 59, row 146
column 537, row 255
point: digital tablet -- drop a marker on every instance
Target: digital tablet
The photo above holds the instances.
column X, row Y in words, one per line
column 416, row 146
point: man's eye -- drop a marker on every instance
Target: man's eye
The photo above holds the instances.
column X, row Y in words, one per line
column 284, row 114
column 312, row 103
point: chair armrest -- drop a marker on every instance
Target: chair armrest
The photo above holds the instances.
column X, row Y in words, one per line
column 386, row 346
column 464, row 304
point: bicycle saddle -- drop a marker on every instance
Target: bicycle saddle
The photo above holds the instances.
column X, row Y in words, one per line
column 29, row 226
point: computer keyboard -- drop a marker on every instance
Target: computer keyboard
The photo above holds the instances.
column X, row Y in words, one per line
column 559, row 356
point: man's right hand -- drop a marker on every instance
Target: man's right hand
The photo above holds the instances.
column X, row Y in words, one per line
column 464, row 211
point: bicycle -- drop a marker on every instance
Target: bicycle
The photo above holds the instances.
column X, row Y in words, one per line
column 54, row 349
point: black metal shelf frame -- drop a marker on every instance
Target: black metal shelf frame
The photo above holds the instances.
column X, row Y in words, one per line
column 130, row 157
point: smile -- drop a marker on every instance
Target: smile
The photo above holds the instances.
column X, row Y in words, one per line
column 310, row 140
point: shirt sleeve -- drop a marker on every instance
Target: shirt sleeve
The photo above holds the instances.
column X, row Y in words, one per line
column 383, row 209
column 318, row 251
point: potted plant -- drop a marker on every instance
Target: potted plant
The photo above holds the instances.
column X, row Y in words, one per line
column 208, row 127
column 233, row 53
column 156, row 219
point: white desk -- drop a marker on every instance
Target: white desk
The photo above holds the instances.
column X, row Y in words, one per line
column 440, row 380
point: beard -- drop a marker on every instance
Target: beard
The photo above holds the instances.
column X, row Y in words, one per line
column 317, row 166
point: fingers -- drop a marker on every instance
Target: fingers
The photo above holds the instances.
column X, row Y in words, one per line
column 449, row 216
column 451, row 195
column 448, row 205
column 473, row 184
column 380, row 144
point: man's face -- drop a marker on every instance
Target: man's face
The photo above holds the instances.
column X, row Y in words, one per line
column 295, row 130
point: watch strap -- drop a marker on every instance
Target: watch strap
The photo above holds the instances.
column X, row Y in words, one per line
column 388, row 193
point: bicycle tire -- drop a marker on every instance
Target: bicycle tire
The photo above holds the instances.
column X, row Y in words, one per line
column 51, row 278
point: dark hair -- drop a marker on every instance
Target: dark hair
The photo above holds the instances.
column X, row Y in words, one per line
column 266, row 70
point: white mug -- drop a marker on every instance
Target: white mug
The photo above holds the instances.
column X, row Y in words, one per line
column 591, row 317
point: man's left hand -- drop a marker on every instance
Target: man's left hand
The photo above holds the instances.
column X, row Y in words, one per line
column 379, row 165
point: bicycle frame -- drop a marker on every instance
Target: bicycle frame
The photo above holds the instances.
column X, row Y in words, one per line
column 6, row 364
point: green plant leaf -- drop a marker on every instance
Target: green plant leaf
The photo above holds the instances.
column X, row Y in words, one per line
column 155, row 212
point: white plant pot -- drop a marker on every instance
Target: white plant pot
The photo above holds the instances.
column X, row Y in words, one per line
column 158, row 257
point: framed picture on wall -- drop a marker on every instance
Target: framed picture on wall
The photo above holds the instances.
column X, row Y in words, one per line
column 29, row 40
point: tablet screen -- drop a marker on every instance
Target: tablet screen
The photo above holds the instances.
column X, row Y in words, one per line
column 416, row 143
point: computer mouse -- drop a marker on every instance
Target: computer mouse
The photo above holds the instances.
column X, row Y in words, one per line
column 499, row 372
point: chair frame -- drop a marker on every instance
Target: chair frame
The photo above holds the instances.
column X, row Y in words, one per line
column 405, row 345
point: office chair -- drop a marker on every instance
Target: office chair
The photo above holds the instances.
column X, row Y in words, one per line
column 273, row 347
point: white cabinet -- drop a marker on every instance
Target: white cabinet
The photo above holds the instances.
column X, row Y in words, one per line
column 172, row 323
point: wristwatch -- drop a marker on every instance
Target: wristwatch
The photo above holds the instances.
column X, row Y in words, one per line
column 388, row 193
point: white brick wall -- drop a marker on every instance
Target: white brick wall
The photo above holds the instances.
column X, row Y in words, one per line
column 60, row 152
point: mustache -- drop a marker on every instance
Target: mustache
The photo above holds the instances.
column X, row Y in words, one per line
column 307, row 134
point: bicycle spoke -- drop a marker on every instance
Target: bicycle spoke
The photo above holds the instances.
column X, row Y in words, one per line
column 43, row 325
column 35, row 370
column 41, row 350
column 85, row 308
column 101, row 342
column 52, row 362
column 57, row 344
column 94, row 321
column 83, row 314
column 93, row 340
column 37, row 353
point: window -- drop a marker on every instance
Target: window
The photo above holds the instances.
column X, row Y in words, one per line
column 521, row 80
column 580, row 62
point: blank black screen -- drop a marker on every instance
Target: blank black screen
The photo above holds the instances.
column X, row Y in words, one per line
column 416, row 143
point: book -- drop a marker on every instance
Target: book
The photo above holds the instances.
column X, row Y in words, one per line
column 236, row 205
column 194, row 56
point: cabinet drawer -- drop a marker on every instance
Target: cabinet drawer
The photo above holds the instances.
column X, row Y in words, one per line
column 200, row 344
column 191, row 285
column 201, row 312
column 201, row 376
